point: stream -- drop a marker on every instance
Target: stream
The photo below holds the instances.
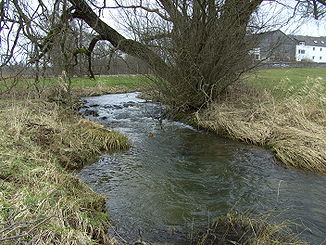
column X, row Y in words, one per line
column 176, row 179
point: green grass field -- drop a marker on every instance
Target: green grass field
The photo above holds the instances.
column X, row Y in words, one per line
column 280, row 82
column 119, row 80
column 128, row 81
column 284, row 81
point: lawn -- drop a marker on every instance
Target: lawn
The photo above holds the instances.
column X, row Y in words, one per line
column 118, row 80
column 128, row 81
column 281, row 82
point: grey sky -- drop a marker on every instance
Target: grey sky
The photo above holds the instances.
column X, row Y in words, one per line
column 272, row 10
column 296, row 25
column 312, row 28
column 277, row 13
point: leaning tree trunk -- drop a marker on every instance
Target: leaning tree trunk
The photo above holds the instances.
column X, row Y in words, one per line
column 131, row 47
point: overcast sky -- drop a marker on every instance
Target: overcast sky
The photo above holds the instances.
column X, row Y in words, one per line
column 313, row 28
column 275, row 12
column 296, row 25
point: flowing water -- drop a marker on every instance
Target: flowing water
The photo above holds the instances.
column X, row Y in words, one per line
column 176, row 179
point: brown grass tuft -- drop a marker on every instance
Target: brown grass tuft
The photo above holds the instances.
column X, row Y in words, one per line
column 239, row 229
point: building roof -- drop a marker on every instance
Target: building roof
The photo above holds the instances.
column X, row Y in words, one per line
column 270, row 33
column 311, row 41
column 278, row 34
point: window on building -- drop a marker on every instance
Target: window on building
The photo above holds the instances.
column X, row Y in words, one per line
column 257, row 57
column 256, row 50
column 313, row 48
column 321, row 49
column 302, row 51
column 320, row 57
column 315, row 41
column 302, row 43
column 313, row 57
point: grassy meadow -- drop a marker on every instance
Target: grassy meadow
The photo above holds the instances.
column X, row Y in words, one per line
column 284, row 82
column 80, row 86
column 131, row 81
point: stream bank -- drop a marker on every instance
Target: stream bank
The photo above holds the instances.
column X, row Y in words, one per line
column 293, row 126
column 41, row 202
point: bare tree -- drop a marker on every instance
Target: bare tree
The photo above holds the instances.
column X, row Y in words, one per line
column 315, row 8
column 204, row 42
column 198, row 48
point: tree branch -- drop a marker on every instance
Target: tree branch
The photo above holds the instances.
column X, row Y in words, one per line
column 177, row 17
column 89, row 55
column 157, row 36
column 156, row 11
column 11, row 53
column 83, row 11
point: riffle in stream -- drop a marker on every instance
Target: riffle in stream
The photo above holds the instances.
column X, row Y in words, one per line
column 176, row 179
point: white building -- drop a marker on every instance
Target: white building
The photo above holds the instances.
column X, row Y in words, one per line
column 311, row 49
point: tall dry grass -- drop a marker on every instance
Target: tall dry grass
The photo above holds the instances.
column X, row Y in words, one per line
column 293, row 126
column 40, row 202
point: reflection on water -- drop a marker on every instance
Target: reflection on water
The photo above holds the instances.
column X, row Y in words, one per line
column 181, row 179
